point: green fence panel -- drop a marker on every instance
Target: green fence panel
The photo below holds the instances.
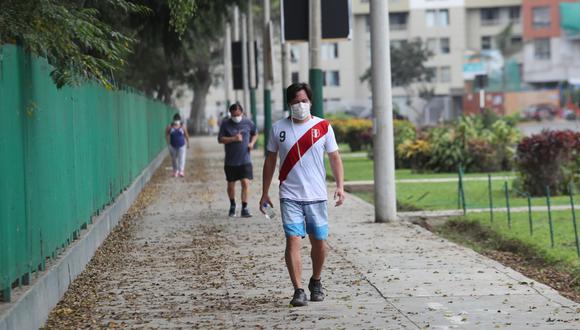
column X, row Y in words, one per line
column 65, row 155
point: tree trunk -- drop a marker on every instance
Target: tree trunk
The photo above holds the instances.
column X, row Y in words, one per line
column 201, row 85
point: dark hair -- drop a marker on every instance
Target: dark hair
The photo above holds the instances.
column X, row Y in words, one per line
column 176, row 116
column 293, row 89
column 235, row 107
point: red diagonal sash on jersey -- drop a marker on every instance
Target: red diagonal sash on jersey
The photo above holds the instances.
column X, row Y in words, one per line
column 306, row 141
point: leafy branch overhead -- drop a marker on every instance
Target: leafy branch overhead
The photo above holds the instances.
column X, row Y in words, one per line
column 82, row 40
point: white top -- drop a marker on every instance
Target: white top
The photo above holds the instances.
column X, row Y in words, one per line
column 302, row 171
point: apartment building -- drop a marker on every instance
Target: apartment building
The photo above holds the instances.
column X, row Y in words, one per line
column 552, row 42
column 450, row 28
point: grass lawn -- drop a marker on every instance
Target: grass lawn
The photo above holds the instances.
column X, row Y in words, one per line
column 564, row 249
column 444, row 195
column 361, row 169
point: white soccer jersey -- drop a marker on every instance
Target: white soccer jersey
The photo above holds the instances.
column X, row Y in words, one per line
column 301, row 149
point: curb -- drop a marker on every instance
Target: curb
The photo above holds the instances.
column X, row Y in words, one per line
column 32, row 306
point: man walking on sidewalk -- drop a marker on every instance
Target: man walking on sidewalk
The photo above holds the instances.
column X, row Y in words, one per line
column 239, row 135
column 301, row 140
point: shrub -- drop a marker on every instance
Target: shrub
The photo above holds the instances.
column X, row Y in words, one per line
column 353, row 131
column 548, row 159
column 404, row 131
column 468, row 143
column 416, row 153
column 447, row 150
column 483, row 156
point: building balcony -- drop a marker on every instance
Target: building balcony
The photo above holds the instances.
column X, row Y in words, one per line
column 397, row 27
column 490, row 22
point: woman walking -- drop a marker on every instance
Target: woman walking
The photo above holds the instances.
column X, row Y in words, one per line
column 177, row 141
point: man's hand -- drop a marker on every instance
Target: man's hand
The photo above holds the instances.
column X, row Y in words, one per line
column 238, row 137
column 250, row 146
column 265, row 200
column 339, row 196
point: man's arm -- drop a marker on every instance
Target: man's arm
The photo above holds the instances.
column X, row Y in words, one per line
column 230, row 139
column 267, row 175
column 338, row 173
column 253, row 140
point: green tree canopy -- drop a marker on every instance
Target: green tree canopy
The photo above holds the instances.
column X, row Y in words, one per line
column 82, row 39
column 407, row 64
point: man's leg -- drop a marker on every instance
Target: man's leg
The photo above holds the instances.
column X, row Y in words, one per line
column 317, row 228
column 293, row 261
column 245, row 190
column 318, row 255
column 232, row 197
column 245, row 193
column 232, row 190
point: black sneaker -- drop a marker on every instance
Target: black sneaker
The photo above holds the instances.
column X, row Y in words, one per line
column 299, row 298
column 232, row 212
column 246, row 213
column 316, row 293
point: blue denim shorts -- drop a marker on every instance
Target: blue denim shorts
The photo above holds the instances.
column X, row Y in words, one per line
column 301, row 218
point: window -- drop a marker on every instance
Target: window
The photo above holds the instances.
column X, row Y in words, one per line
column 514, row 14
column 445, row 74
column 397, row 21
column 485, row 42
column 541, row 17
column 295, row 77
column 294, row 54
column 432, row 45
column 443, row 17
column 437, row 17
column 516, row 41
column 444, row 46
column 331, row 78
column 329, row 51
column 542, row 49
column 430, row 17
column 368, row 23
column 489, row 16
column 431, row 74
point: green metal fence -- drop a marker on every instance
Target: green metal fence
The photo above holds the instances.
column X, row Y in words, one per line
column 64, row 155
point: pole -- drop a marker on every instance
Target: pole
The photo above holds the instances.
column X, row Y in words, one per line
column 550, row 223
column 571, row 193
column 267, row 74
column 315, row 73
column 507, row 203
column 245, row 71
column 228, row 64
column 530, row 220
column 252, row 64
column 285, row 73
column 490, row 198
column 384, row 149
column 462, row 191
column 236, row 36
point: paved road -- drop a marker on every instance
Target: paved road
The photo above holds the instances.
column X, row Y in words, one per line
column 186, row 264
column 535, row 127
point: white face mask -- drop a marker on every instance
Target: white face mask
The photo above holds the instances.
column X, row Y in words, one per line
column 237, row 119
column 300, row 111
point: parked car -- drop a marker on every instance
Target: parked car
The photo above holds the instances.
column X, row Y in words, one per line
column 541, row 111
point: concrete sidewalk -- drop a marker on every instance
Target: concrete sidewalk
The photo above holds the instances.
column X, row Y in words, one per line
column 191, row 266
